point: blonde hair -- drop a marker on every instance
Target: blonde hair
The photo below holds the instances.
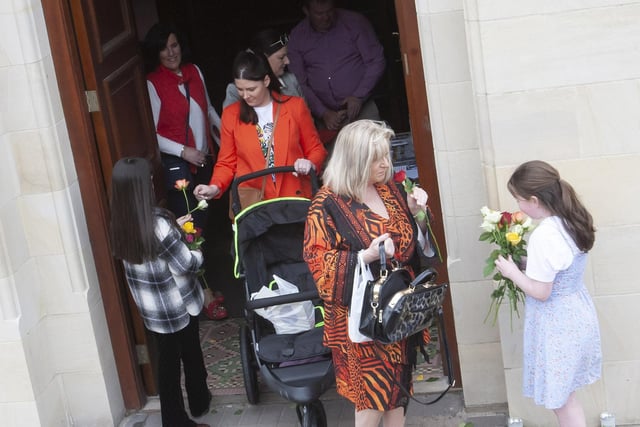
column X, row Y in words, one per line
column 357, row 147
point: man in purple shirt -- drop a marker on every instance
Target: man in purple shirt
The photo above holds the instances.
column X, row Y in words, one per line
column 338, row 61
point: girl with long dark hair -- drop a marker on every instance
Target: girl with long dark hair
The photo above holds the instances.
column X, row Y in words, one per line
column 162, row 275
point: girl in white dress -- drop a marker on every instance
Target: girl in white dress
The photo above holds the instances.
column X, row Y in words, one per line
column 561, row 335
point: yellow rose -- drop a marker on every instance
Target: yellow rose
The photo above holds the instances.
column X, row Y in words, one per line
column 513, row 238
column 188, row 227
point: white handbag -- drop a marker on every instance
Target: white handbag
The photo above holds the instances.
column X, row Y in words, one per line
column 361, row 276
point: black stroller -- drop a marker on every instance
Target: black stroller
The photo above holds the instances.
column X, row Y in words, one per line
column 268, row 240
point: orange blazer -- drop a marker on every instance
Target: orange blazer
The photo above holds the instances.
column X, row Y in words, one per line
column 295, row 137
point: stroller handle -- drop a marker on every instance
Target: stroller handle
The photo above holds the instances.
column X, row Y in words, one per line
column 235, row 198
column 282, row 299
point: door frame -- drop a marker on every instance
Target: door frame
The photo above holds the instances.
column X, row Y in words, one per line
column 415, row 85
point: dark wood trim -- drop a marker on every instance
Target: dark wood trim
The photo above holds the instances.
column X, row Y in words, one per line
column 423, row 147
column 69, row 75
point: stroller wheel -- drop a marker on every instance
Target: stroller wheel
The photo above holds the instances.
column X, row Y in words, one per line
column 249, row 367
column 311, row 414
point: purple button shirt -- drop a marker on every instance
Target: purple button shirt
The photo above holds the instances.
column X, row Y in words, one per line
column 347, row 60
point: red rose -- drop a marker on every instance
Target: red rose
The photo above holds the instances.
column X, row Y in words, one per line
column 400, row 176
column 505, row 220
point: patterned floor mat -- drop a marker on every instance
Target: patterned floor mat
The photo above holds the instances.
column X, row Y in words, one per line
column 221, row 349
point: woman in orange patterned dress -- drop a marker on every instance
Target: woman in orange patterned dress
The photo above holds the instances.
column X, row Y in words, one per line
column 358, row 208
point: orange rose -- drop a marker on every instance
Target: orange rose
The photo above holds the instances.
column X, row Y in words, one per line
column 181, row 184
column 518, row 217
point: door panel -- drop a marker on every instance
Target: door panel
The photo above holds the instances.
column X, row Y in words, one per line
column 112, row 66
column 122, row 93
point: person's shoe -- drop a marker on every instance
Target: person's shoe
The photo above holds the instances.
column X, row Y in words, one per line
column 218, row 297
column 205, row 411
column 217, row 312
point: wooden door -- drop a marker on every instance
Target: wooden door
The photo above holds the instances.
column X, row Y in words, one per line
column 113, row 68
column 99, row 68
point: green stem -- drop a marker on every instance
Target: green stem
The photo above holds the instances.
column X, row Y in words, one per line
column 203, row 278
column 186, row 200
column 435, row 242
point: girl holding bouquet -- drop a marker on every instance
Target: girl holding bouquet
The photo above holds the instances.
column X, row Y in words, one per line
column 161, row 272
column 561, row 334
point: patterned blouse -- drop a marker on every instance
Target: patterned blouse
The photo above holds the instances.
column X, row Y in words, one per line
column 337, row 228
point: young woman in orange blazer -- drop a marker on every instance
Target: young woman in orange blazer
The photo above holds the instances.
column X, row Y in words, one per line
column 246, row 134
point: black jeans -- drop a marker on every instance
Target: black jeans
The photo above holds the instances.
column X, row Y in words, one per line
column 173, row 349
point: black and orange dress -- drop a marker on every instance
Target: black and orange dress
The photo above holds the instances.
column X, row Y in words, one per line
column 337, row 229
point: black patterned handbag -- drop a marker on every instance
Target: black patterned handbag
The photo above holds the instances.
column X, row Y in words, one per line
column 396, row 307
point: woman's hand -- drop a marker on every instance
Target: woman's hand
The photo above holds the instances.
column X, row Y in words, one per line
column 417, row 200
column 372, row 253
column 183, row 219
column 195, row 157
column 303, row 167
column 205, row 192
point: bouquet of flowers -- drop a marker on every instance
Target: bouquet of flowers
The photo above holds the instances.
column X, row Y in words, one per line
column 507, row 230
column 193, row 237
column 402, row 178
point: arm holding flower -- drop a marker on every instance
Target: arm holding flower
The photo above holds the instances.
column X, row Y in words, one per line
column 206, row 192
column 417, row 202
column 183, row 220
column 534, row 288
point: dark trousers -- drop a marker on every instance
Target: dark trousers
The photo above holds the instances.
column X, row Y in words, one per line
column 173, row 349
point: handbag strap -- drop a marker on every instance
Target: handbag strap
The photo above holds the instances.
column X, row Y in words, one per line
column 383, row 260
column 428, row 275
column 450, row 378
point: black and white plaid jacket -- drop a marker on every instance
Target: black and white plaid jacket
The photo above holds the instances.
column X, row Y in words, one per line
column 166, row 290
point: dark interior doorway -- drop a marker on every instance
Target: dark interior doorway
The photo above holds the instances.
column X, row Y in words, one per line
column 216, row 31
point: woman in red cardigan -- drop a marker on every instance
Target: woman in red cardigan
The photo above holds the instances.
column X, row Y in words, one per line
column 246, row 131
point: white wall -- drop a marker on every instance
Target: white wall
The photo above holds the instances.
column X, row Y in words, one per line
column 559, row 81
column 56, row 363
